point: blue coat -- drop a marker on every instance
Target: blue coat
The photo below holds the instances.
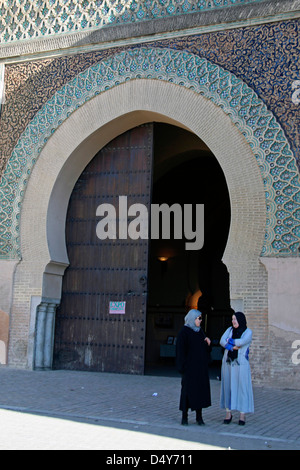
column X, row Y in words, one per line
column 236, row 386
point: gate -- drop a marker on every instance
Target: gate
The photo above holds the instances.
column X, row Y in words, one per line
column 101, row 322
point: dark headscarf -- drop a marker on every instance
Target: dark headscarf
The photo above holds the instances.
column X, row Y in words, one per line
column 237, row 333
column 241, row 319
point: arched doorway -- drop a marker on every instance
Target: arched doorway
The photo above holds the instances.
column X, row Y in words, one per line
column 89, row 336
column 76, row 142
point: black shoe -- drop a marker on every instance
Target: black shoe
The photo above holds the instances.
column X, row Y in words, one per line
column 199, row 419
column 228, row 421
column 184, row 420
column 200, row 422
column 242, row 423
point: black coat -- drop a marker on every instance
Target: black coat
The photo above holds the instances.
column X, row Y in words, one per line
column 192, row 362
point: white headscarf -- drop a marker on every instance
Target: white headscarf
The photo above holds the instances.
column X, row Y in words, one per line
column 190, row 319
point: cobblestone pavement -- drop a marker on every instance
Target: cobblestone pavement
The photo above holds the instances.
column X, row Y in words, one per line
column 85, row 410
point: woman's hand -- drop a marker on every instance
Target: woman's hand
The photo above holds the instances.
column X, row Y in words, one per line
column 208, row 341
column 231, row 342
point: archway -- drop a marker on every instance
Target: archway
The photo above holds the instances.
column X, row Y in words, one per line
column 75, row 143
column 87, row 336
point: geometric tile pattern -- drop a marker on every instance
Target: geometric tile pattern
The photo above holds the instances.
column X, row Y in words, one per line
column 248, row 112
column 31, row 19
column 1, row 86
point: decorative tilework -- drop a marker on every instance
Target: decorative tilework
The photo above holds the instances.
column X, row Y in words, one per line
column 257, row 124
column 265, row 57
column 31, row 19
column 1, row 85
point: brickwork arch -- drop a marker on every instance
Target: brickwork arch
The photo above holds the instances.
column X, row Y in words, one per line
column 100, row 120
column 75, row 143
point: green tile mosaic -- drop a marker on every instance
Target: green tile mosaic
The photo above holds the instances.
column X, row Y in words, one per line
column 248, row 112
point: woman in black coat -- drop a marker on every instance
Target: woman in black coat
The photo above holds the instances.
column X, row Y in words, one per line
column 192, row 349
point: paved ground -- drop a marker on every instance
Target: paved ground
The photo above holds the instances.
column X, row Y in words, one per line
column 63, row 410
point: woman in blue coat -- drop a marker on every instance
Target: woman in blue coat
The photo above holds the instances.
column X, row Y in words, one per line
column 236, row 385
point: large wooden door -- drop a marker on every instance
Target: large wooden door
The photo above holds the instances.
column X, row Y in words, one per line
column 87, row 335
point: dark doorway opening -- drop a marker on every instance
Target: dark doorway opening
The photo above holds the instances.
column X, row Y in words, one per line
column 186, row 172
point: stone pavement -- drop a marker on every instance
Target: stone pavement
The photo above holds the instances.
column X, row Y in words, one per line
column 66, row 410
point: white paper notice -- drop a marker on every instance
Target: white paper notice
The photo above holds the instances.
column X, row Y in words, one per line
column 117, row 307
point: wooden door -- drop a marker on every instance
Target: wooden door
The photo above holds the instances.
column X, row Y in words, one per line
column 87, row 335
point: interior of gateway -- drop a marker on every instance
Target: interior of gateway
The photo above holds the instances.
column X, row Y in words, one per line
column 186, row 172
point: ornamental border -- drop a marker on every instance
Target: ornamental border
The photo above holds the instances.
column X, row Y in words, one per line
column 247, row 111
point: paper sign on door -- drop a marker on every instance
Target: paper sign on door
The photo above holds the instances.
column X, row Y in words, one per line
column 117, row 307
